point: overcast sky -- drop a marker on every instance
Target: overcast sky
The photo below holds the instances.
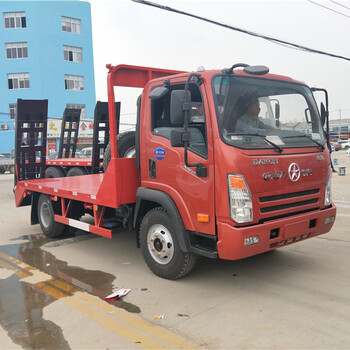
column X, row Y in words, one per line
column 125, row 32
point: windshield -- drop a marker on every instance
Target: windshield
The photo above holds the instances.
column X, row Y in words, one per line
column 257, row 113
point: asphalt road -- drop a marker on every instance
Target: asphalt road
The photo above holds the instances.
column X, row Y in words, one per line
column 51, row 295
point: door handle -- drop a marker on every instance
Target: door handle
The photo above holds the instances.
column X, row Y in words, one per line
column 152, row 168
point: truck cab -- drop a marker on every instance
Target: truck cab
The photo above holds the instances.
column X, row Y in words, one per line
column 257, row 189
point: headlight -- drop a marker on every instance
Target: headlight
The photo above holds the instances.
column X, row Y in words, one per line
column 328, row 189
column 240, row 199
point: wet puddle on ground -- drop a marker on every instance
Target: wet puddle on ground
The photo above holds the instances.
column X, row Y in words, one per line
column 22, row 303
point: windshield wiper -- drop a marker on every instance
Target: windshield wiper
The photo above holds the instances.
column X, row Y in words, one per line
column 307, row 136
column 277, row 148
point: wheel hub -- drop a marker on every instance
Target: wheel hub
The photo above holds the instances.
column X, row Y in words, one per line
column 45, row 215
column 160, row 244
column 130, row 153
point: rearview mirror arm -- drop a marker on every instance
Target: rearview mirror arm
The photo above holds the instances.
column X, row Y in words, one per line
column 200, row 170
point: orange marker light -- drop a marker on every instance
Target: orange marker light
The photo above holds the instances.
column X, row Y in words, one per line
column 202, row 217
column 237, row 182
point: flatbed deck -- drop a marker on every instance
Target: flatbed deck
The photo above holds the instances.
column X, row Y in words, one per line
column 110, row 189
column 67, row 187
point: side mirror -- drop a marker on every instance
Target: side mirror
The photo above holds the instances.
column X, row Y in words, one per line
column 324, row 114
column 177, row 106
column 178, row 137
column 158, row 92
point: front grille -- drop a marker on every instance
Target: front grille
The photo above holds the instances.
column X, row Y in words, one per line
column 287, row 204
column 288, row 195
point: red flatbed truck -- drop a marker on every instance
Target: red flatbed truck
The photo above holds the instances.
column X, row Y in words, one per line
column 198, row 186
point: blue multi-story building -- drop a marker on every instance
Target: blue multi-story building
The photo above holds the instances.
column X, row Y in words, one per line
column 45, row 53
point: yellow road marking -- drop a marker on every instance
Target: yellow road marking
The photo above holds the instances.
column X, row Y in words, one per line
column 147, row 327
column 125, row 331
column 17, row 262
column 45, row 286
column 68, row 288
column 142, row 333
column 19, row 273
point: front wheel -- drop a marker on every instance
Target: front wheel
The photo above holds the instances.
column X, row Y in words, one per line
column 160, row 247
column 46, row 214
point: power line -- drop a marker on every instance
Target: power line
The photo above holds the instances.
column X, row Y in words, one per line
column 274, row 40
column 329, row 9
column 340, row 4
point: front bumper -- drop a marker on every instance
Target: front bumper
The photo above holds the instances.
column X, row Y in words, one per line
column 273, row 234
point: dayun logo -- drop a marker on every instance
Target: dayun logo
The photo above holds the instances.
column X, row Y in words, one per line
column 294, row 172
column 159, row 153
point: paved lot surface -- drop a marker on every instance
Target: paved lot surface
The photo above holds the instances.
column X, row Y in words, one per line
column 51, row 296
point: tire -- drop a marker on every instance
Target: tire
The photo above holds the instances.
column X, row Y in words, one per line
column 12, row 169
column 2, row 171
column 160, row 247
column 46, row 212
column 76, row 171
column 53, row 171
column 126, row 148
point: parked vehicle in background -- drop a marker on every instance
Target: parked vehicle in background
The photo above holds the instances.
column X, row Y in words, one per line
column 336, row 146
column 86, row 152
column 345, row 144
column 7, row 163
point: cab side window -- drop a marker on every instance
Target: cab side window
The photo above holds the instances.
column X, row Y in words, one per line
column 162, row 126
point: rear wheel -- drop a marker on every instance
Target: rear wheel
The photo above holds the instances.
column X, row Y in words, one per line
column 126, row 148
column 160, row 247
column 46, row 214
column 53, row 171
column 76, row 171
column 12, row 169
column 2, row 171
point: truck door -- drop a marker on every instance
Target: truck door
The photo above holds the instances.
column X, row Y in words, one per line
column 163, row 167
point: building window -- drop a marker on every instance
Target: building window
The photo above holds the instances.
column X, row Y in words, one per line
column 77, row 106
column 73, row 54
column 71, row 25
column 13, row 108
column 16, row 50
column 18, row 81
column 15, row 19
column 74, row 82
